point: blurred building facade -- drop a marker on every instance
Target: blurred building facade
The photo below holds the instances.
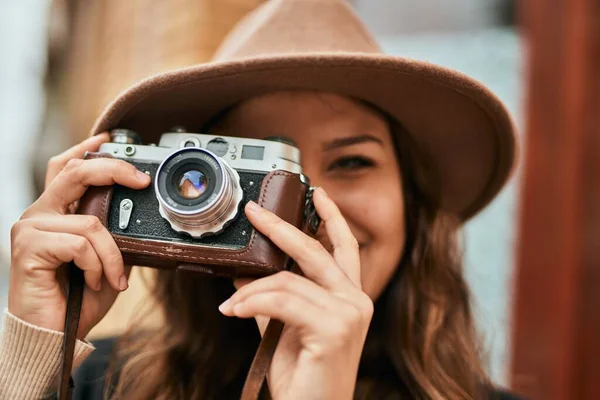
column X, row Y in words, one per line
column 409, row 17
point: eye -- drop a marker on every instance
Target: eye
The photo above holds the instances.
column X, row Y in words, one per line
column 350, row 163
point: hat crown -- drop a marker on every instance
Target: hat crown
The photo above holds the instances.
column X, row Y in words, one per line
column 296, row 27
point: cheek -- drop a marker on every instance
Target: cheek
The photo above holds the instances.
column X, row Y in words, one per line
column 375, row 212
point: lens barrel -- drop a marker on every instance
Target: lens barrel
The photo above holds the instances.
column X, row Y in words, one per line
column 198, row 192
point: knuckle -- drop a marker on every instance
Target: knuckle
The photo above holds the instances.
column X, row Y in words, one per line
column 81, row 245
column 54, row 162
column 282, row 301
column 19, row 239
column 367, row 307
column 353, row 243
column 284, row 276
column 27, row 213
column 28, row 267
column 354, row 317
column 16, row 229
column 340, row 330
column 73, row 165
column 92, row 224
column 359, row 312
column 363, row 307
column 323, row 352
column 120, row 167
column 275, row 224
column 284, row 279
column 312, row 244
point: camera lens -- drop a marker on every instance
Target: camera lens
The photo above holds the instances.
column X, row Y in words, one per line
column 198, row 192
column 189, row 181
column 192, row 184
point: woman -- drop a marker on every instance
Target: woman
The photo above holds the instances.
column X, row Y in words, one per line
column 403, row 153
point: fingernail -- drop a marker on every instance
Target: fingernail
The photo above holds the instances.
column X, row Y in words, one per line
column 225, row 307
column 123, row 283
column 323, row 192
column 141, row 176
column 254, row 208
column 98, row 286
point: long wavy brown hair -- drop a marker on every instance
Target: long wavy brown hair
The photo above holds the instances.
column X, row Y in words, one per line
column 421, row 344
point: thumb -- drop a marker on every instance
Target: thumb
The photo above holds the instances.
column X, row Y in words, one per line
column 261, row 320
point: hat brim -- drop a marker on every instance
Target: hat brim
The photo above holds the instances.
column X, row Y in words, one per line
column 463, row 127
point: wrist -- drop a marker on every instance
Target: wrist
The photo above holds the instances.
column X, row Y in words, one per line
column 37, row 311
column 30, row 358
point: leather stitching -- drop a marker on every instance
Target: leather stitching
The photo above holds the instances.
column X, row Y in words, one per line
column 197, row 258
column 105, row 205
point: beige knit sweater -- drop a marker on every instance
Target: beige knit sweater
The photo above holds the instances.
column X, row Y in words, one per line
column 30, row 359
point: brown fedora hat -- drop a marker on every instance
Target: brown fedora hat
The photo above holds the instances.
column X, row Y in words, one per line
column 322, row 45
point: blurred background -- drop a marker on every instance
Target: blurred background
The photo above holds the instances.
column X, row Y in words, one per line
column 62, row 61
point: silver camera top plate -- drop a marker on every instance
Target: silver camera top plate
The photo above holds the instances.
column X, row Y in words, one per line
column 240, row 153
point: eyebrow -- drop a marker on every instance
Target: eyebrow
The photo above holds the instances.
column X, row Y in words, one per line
column 350, row 140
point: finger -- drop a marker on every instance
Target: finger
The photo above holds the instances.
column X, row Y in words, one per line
column 57, row 163
column 107, row 293
column 316, row 263
column 261, row 320
column 283, row 306
column 101, row 240
column 345, row 247
column 99, row 302
column 286, row 282
column 60, row 248
column 241, row 282
column 72, row 182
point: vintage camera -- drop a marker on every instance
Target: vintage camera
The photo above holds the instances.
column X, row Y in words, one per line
column 191, row 215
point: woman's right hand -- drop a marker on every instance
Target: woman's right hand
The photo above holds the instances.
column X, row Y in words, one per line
column 48, row 235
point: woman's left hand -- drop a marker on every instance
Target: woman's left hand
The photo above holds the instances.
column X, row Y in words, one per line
column 326, row 313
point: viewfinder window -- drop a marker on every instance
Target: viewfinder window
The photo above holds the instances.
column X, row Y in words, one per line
column 253, row 152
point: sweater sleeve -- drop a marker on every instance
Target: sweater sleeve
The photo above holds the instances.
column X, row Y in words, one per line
column 30, row 359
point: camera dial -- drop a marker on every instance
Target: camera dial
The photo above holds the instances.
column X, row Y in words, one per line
column 125, row 136
column 198, row 192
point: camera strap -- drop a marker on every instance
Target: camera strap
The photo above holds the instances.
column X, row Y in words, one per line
column 74, row 301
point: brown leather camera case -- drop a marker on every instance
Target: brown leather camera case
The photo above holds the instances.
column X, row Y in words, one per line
column 281, row 192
